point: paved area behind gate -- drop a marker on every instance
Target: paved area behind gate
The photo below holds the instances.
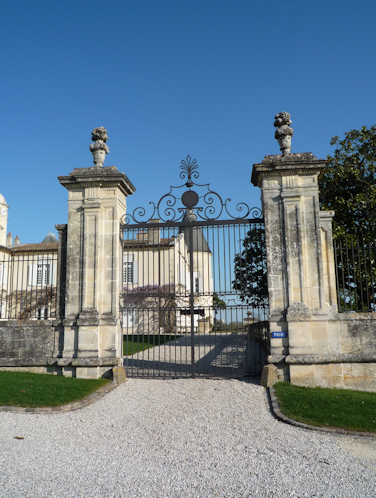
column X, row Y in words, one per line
column 178, row 438
column 216, row 355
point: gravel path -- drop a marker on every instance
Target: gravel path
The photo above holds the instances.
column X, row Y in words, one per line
column 178, row 438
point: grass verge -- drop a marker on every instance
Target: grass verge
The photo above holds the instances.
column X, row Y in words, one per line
column 340, row 408
column 135, row 343
column 38, row 390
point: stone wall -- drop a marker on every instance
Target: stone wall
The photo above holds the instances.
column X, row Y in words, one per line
column 37, row 346
column 29, row 345
column 343, row 356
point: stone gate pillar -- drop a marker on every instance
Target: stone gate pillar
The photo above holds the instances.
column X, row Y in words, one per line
column 302, row 293
column 96, row 203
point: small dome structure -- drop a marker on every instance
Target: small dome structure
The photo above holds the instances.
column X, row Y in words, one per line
column 2, row 200
column 50, row 237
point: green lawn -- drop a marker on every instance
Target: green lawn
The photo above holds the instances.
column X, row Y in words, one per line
column 351, row 410
column 37, row 390
column 135, row 343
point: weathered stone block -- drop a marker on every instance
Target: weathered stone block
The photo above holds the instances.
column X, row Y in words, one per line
column 269, row 376
column 118, row 375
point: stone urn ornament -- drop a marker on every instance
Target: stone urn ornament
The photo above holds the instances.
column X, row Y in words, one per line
column 99, row 149
column 283, row 132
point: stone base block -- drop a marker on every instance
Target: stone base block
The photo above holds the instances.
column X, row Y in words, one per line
column 269, row 376
column 87, row 372
column 355, row 376
column 93, row 372
column 118, row 375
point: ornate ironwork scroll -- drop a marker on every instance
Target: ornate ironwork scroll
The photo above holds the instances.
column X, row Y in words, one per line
column 168, row 209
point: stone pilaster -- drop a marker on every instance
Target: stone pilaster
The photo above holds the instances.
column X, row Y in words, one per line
column 92, row 329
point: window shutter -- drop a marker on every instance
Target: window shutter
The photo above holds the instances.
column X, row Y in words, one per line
column 135, row 272
column 129, row 318
column 53, row 274
column 124, row 272
column 3, row 275
column 188, row 281
column 182, row 276
column 201, row 284
column 32, row 275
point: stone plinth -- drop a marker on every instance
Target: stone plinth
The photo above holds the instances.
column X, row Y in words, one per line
column 92, row 329
column 203, row 325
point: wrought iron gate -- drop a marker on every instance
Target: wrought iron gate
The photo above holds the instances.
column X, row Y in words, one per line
column 194, row 300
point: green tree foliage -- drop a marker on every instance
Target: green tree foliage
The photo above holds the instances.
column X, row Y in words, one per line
column 218, row 303
column 250, row 269
column 348, row 184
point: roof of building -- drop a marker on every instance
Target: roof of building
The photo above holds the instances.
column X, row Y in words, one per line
column 48, row 246
column 199, row 243
column 50, row 237
column 2, row 200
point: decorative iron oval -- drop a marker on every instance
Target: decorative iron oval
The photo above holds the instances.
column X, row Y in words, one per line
column 190, row 199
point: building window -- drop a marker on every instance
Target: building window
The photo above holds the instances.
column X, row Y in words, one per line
column 196, row 285
column 43, row 274
column 128, row 272
column 130, row 269
column 196, row 311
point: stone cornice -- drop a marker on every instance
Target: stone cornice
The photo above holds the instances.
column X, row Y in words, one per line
column 101, row 177
column 327, row 215
column 294, row 164
column 313, row 359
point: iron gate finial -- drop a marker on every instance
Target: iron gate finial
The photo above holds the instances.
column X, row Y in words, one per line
column 189, row 166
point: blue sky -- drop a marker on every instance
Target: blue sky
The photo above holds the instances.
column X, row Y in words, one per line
column 168, row 79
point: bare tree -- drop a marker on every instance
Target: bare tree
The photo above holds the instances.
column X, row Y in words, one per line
column 152, row 307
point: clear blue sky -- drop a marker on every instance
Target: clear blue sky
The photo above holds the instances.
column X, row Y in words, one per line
column 171, row 78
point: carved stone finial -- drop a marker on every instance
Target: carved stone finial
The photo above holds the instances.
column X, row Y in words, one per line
column 283, row 133
column 99, row 149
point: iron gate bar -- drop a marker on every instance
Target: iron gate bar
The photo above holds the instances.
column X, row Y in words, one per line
column 191, row 301
column 182, row 224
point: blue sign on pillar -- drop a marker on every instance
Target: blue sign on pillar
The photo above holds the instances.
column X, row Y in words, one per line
column 279, row 335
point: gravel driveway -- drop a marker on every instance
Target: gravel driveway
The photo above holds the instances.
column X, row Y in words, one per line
column 178, row 438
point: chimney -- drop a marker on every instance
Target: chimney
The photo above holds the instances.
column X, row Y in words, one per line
column 16, row 240
column 9, row 239
column 153, row 233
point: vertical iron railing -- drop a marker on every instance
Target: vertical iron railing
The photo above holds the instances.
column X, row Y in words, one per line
column 28, row 285
column 355, row 265
column 194, row 299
